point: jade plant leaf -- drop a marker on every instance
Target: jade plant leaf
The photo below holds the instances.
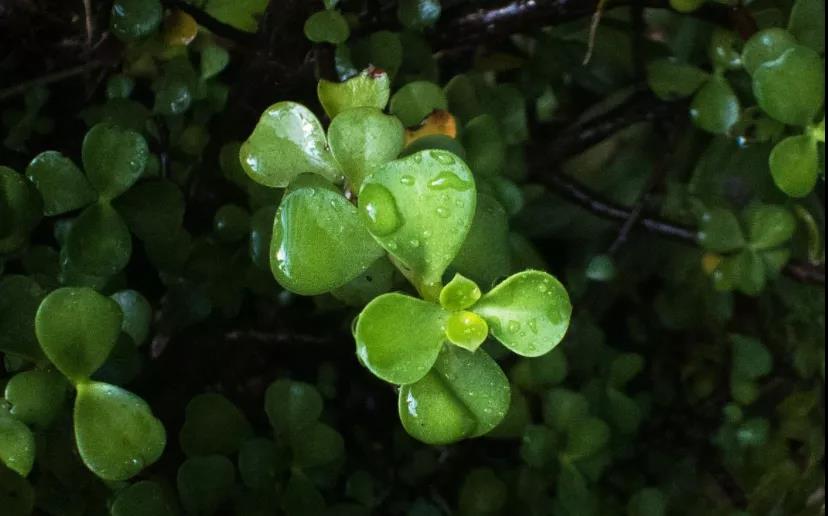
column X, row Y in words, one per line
column 60, row 182
column 292, row 406
column 371, row 88
column 769, row 226
column 287, row 141
column 152, row 209
column 765, row 46
column 116, row 432
column 528, row 312
column 466, row 329
column 17, row 445
column 485, row 147
column 113, row 158
column 204, row 483
column 63, row 323
column 484, row 256
column 212, row 426
column 465, row 395
column 416, row 100
column 459, row 293
column 791, row 102
column 137, row 314
column 317, row 445
column 715, row 108
column 794, row 165
column 99, row 242
column 719, row 231
column 144, row 498
column 36, row 396
column 20, row 297
column 807, row 23
column 420, row 208
column 361, row 139
column 327, row 26
column 670, row 79
column 399, row 337
column 135, row 19
column 319, row 240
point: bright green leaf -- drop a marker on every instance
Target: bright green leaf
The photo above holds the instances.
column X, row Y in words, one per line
column 135, row 19
column 60, row 183
column 371, row 88
column 292, row 406
column 769, row 226
column 794, row 102
column 361, row 139
column 794, row 165
column 715, row 108
column 17, row 445
column 766, row 46
column 137, row 314
column 327, row 26
column 36, row 397
column 416, row 100
column 113, row 158
column 459, row 293
column 466, row 329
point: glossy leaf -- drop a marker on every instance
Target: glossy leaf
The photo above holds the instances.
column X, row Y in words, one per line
column 465, row 395
column 807, row 23
column 288, row 140
column 723, row 49
column 99, row 242
column 144, row 498
column 399, row 337
column 113, row 158
column 416, row 100
column 769, row 226
column 152, row 209
column 371, row 88
column 137, row 314
column 719, row 231
column 528, row 312
column 376, row 280
column 17, row 445
column 715, row 108
column 212, row 426
column 563, row 408
column 751, row 359
column 231, row 223
column 791, row 102
column 116, row 432
column 20, row 296
column 327, row 26
column 213, row 60
column 319, row 241
column 362, row 139
column 259, row 464
column 459, row 293
column 420, row 208
column 484, row 256
column 62, row 326
column 794, row 165
column 466, row 329
column 242, row 14
column 36, row 397
column 765, row 46
column 135, row 19
column 60, row 183
column 292, row 406
column 205, row 483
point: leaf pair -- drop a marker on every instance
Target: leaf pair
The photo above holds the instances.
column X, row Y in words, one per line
column 116, row 433
column 401, row 340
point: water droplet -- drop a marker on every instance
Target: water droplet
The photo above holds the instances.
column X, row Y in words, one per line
column 418, row 158
column 414, row 243
column 533, row 325
column 426, row 233
column 513, row 326
column 446, row 179
column 379, row 207
column 442, row 212
column 442, row 157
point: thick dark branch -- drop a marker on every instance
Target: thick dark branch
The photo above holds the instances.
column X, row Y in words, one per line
column 639, row 108
column 215, row 26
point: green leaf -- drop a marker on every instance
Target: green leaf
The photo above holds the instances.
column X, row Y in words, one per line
column 418, row 14
column 791, row 102
column 719, row 231
column 212, row 426
column 63, row 323
column 60, row 183
column 205, row 483
column 670, row 79
column 327, row 26
column 116, row 433
column 137, row 314
column 416, row 100
column 242, row 14
column 371, row 88
column 362, row 139
column 317, row 445
column 36, row 397
column 647, row 502
column 17, row 445
column 420, row 208
column 144, row 498
column 292, row 406
column 466, row 329
column 807, row 23
column 563, row 408
column 766, row 46
column 214, row 59
column 794, row 165
column 231, row 223
column 113, row 158
column 485, row 256
column 20, row 209
column 751, row 359
column 749, row 272
column 485, row 148
column 319, row 241
column 99, row 243
column 769, row 226
column 482, row 493
column 135, row 19
column 20, row 296
column 152, row 209
column 259, row 464
column 528, row 312
column 723, row 51
column 287, row 141
column 459, row 293
column 715, row 108
column 464, row 395
column 399, row 337
column 16, row 494
column 586, row 437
